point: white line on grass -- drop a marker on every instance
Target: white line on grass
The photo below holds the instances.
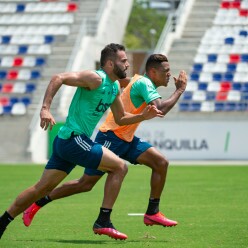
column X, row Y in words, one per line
column 135, row 214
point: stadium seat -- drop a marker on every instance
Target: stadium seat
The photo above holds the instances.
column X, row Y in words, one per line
column 202, row 86
column 184, row 106
column 7, row 109
column 210, row 96
column 234, row 96
column 207, row 106
column 191, row 86
column 4, row 101
column 7, row 88
column 187, row 95
column 221, row 96
column 219, row 106
column 199, row 95
column 236, row 86
column 195, row 107
column 18, row 108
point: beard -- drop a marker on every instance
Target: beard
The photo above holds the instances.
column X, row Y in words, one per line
column 119, row 73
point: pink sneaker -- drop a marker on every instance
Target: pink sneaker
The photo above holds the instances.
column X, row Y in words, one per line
column 158, row 219
column 109, row 231
column 29, row 214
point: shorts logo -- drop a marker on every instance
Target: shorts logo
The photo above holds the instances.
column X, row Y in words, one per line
column 82, row 143
column 107, row 144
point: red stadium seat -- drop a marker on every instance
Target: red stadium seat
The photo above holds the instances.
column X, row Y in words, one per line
column 72, row 7
column 243, row 12
column 225, row 5
column 4, row 101
column 221, row 96
column 7, row 88
column 18, row 61
column 225, row 86
column 12, row 75
column 234, row 58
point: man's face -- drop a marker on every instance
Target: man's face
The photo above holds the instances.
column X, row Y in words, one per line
column 120, row 65
column 163, row 74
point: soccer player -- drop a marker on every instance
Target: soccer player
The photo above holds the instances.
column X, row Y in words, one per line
column 96, row 92
column 142, row 90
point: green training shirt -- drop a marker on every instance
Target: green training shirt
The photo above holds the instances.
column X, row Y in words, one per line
column 88, row 106
column 143, row 90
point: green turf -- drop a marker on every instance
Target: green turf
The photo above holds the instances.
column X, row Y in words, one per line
column 210, row 203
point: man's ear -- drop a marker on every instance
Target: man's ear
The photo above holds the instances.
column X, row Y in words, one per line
column 110, row 63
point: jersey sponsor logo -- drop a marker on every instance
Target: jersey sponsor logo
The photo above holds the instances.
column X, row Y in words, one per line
column 102, row 107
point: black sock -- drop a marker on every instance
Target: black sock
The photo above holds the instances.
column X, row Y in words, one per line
column 153, row 206
column 104, row 217
column 5, row 219
column 43, row 201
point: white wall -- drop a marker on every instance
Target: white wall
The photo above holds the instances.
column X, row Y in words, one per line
column 197, row 140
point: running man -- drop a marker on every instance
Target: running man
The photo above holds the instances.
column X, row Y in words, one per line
column 96, row 92
column 142, row 90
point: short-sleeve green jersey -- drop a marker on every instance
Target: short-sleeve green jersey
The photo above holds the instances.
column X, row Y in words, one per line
column 88, row 106
column 143, row 90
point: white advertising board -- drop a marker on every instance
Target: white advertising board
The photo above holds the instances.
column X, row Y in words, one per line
column 197, row 140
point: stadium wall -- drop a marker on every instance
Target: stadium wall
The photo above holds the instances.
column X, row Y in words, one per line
column 197, row 140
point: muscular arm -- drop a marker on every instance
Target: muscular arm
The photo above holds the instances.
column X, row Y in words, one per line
column 166, row 105
column 124, row 118
column 86, row 79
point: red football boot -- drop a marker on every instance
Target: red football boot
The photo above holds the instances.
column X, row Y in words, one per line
column 29, row 214
column 158, row 219
column 109, row 231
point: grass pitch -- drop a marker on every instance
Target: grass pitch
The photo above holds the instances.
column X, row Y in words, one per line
column 209, row 202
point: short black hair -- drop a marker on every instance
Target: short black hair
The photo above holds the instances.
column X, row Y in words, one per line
column 155, row 61
column 109, row 52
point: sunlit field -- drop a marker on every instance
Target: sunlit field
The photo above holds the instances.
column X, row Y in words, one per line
column 209, row 202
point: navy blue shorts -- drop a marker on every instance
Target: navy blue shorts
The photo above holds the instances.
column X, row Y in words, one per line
column 129, row 151
column 77, row 150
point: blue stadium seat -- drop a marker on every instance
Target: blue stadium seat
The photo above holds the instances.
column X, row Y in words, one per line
column 6, row 39
column 3, row 74
column 30, row 87
column 219, row 106
column 212, row 57
column 202, row 86
column 242, row 106
column 228, row 77
column 236, row 86
column 244, row 87
column 20, row 8
column 35, row 74
column 7, row 109
column 194, row 76
column 187, row 95
column 217, row 77
column 22, row 49
column 230, row 106
column 26, row 100
column 231, row 67
column 243, row 33
column 13, row 100
column 244, row 57
column 183, row 106
column 48, row 39
column 229, row 40
column 197, row 67
column 39, row 62
column 195, row 106
column 210, row 96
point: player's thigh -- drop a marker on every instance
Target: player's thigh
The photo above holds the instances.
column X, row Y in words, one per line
column 151, row 157
column 110, row 161
column 50, row 179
